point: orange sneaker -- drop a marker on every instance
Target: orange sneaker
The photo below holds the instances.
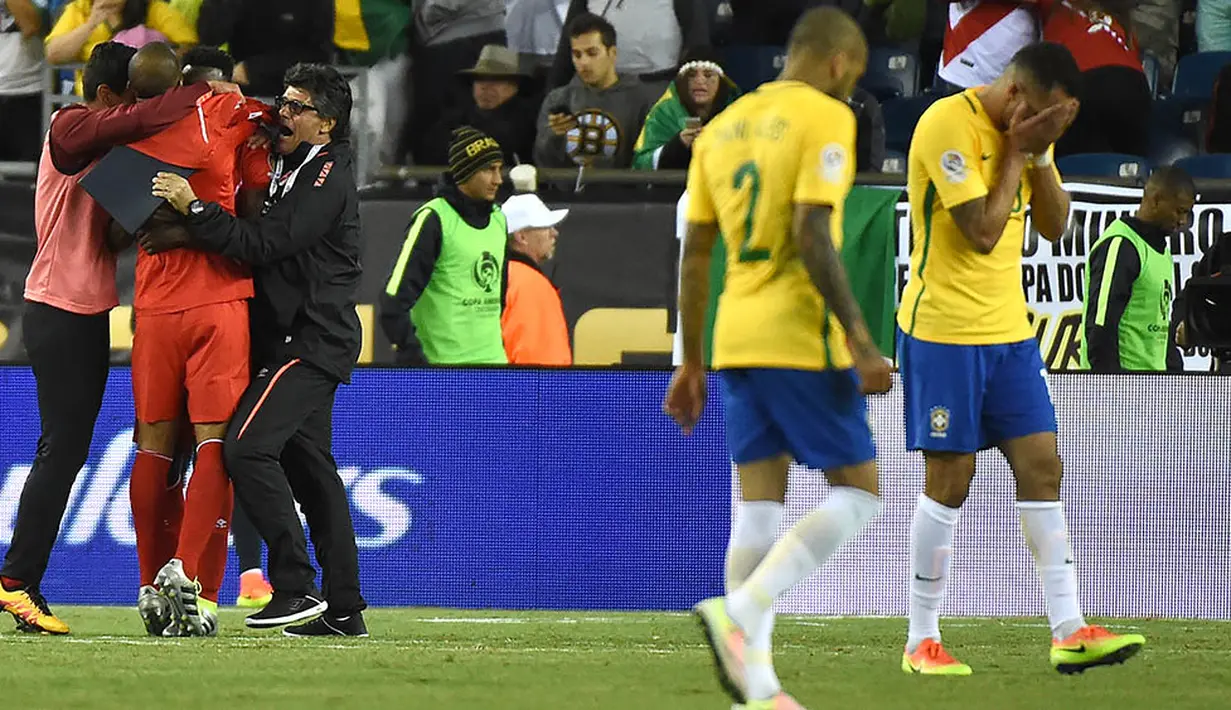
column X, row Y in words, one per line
column 726, row 641
column 31, row 615
column 930, row 658
column 1094, row 646
column 254, row 590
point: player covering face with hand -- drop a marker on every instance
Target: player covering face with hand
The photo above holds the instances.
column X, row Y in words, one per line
column 771, row 174
column 971, row 369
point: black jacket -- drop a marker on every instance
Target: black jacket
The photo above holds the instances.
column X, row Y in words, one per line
column 1103, row 342
column 269, row 36
column 512, row 124
column 305, row 254
column 425, row 250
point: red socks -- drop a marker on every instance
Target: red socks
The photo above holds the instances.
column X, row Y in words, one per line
column 149, row 496
column 213, row 563
column 207, row 511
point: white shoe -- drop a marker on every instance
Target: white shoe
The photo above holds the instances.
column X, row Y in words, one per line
column 181, row 593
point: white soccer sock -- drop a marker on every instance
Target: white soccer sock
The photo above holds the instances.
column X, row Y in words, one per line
column 804, row 548
column 1048, row 539
column 931, row 551
column 752, row 537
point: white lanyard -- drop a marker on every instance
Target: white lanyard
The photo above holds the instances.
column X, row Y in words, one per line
column 289, row 179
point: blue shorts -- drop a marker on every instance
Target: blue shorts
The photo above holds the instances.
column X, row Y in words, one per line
column 818, row 417
column 966, row 398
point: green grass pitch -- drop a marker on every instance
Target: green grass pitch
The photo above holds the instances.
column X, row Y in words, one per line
column 429, row 658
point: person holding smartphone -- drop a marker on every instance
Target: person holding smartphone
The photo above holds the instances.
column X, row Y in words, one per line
column 700, row 91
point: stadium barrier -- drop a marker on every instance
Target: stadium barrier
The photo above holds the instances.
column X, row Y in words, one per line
column 616, row 263
column 522, row 489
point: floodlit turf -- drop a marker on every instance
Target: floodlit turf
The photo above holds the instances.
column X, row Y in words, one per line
column 427, row 658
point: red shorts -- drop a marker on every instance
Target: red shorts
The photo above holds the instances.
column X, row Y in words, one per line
column 202, row 352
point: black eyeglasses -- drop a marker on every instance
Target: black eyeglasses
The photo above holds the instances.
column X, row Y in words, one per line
column 296, row 107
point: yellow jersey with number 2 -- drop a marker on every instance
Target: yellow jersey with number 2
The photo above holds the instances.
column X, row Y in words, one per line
column 956, row 295
column 784, row 144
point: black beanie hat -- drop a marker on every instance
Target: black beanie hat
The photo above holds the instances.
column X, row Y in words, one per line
column 470, row 151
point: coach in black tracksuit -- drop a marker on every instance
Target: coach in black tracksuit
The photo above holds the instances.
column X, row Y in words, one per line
column 305, row 253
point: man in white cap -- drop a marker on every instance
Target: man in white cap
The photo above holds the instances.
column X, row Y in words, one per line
column 535, row 332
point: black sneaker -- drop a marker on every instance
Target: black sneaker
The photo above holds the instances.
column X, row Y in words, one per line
column 326, row 625
column 286, row 609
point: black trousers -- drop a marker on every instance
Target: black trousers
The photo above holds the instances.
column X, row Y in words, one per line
column 278, row 451
column 69, row 354
column 1114, row 115
column 247, row 539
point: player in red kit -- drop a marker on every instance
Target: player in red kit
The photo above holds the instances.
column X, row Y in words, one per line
column 190, row 345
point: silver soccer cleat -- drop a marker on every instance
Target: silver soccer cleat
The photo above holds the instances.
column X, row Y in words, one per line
column 155, row 611
column 181, row 594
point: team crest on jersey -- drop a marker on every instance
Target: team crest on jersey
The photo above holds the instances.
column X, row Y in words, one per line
column 833, row 162
column 939, row 419
column 953, row 165
column 325, row 169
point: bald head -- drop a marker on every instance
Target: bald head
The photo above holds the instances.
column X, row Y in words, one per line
column 1168, row 199
column 153, row 70
column 827, row 50
column 825, row 31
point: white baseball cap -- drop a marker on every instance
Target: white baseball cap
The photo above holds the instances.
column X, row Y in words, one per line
column 528, row 212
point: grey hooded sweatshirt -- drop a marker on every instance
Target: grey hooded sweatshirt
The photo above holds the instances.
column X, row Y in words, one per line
column 614, row 116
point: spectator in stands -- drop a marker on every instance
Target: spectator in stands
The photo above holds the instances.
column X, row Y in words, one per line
column 21, row 80
column 653, row 34
column 870, row 131
column 376, row 34
column 448, row 37
column 87, row 23
column 1213, row 25
column 700, row 91
column 495, row 107
column 535, row 331
column 1157, row 26
column 1115, row 96
column 443, row 299
column 1129, row 287
column 981, row 38
column 268, row 37
column 595, row 118
column 534, row 28
column 189, row 9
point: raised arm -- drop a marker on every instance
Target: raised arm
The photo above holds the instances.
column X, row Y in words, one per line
column 952, row 154
column 79, row 135
column 982, row 220
column 29, row 19
column 1049, row 203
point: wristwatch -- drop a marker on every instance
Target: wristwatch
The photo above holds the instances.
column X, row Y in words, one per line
column 196, row 208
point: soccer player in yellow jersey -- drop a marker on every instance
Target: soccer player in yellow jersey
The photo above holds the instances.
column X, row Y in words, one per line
column 771, row 173
column 972, row 374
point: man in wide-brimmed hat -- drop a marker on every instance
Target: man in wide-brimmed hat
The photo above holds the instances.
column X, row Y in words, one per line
column 496, row 107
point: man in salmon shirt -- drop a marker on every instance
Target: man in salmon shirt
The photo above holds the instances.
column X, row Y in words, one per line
column 69, row 293
column 191, row 341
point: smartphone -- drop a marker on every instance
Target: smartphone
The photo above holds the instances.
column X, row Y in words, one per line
column 692, row 123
